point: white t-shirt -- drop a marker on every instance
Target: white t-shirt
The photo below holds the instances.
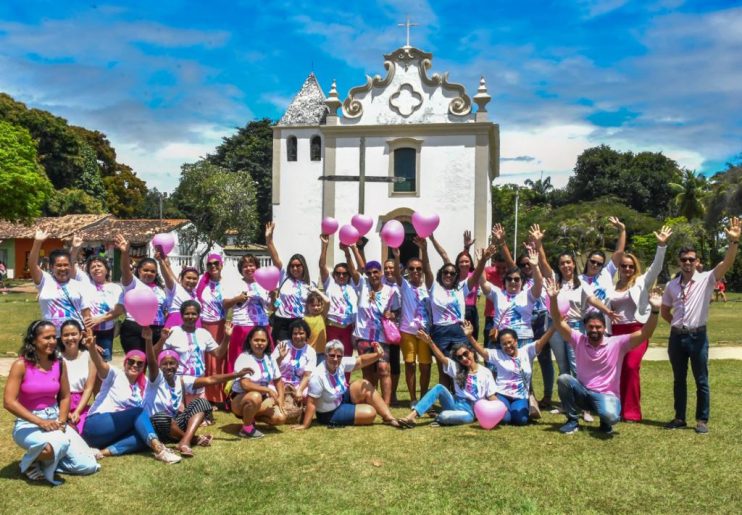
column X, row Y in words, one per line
column 252, row 312
column 396, row 299
column 116, row 394
column 190, row 348
column 601, row 284
column 164, row 299
column 60, row 302
column 577, row 298
column 103, row 298
column 328, row 389
column 478, row 386
column 415, row 308
column 343, row 302
column 78, row 371
column 212, row 302
column 161, row 397
column 448, row 306
column 265, row 371
column 292, row 297
column 178, row 296
column 513, row 311
column 296, row 363
column 513, row 376
column 370, row 312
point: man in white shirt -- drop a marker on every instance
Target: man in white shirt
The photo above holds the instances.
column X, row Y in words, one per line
column 685, row 306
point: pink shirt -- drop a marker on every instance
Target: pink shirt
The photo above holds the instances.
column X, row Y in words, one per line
column 39, row 387
column 490, row 273
column 690, row 301
column 599, row 368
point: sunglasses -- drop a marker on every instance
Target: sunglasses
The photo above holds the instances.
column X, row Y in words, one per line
column 415, row 268
column 687, row 260
column 627, row 267
column 448, row 272
column 524, row 265
column 341, row 274
column 211, row 264
column 334, row 356
column 134, row 363
column 596, row 263
column 515, row 279
column 464, row 355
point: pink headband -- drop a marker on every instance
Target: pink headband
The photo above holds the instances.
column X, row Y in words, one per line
column 168, row 354
column 136, row 354
column 215, row 257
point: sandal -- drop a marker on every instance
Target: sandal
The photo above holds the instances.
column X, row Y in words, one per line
column 34, row 473
column 396, row 422
column 204, row 440
column 185, row 451
column 408, row 424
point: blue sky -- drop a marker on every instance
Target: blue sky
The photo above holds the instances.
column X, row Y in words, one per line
column 166, row 82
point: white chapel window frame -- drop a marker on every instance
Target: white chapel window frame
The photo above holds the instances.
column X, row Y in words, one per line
column 397, row 143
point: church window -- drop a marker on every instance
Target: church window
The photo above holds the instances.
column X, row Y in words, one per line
column 315, row 149
column 405, row 167
column 291, row 148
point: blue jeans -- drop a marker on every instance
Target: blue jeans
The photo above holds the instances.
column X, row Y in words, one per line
column 122, row 432
column 517, row 413
column 538, row 324
column 695, row 347
column 575, row 397
column 104, row 340
column 563, row 352
column 455, row 411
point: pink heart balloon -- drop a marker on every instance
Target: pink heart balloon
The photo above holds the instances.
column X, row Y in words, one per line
column 165, row 241
column 425, row 224
column 348, row 235
column 363, row 223
column 489, row 413
column 267, row 277
column 562, row 303
column 329, row 225
column 393, row 233
column 141, row 303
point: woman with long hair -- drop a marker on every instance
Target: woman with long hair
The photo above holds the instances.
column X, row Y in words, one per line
column 597, row 272
column 180, row 288
column 80, row 370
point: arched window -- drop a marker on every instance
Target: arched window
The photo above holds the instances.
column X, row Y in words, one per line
column 315, row 150
column 405, row 167
column 291, row 148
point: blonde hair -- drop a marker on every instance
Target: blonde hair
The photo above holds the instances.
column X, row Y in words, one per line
column 637, row 268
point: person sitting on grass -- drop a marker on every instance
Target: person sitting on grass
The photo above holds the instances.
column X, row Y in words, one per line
column 471, row 382
column 258, row 397
column 338, row 404
column 599, row 359
column 80, row 370
column 296, row 359
column 513, row 370
column 38, row 394
column 172, row 419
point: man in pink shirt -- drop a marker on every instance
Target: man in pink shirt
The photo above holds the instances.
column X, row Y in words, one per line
column 685, row 305
column 599, row 359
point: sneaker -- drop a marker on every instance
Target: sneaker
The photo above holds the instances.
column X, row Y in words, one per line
column 606, row 428
column 675, row 423
column 253, row 433
column 587, row 417
column 702, row 428
column 570, row 427
column 167, row 456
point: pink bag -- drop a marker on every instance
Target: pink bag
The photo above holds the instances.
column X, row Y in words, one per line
column 391, row 331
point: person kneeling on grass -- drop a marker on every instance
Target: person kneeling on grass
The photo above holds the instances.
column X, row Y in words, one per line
column 338, row 404
column 172, row 419
column 471, row 382
column 599, row 359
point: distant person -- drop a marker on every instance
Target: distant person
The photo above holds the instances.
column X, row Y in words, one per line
column 720, row 290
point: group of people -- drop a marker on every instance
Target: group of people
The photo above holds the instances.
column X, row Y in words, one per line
column 286, row 356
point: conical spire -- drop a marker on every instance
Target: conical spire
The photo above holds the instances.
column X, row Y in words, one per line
column 308, row 106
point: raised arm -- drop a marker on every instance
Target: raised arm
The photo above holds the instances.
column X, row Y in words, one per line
column 221, row 351
column 598, row 304
column 422, row 244
column 442, row 359
column 75, row 246
column 87, row 391
column 556, row 316
column 469, row 333
column 538, row 279
column 659, row 256
column 269, row 228
column 365, row 360
column 324, row 273
column 152, row 369
column 621, row 243
column 541, row 342
column 733, row 235
column 221, row 378
column 498, row 237
column 33, row 256
column 440, row 250
column 484, row 256
column 166, row 269
column 123, row 247
column 543, row 262
column 101, row 367
column 655, row 300
column 355, row 274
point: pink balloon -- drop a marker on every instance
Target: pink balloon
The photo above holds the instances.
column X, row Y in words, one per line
column 141, row 303
column 363, row 223
column 348, row 235
column 489, row 413
column 393, row 233
column 165, row 241
column 425, row 224
column 561, row 302
column 329, row 225
column 268, row 277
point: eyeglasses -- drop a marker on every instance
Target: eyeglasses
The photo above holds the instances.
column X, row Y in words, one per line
column 135, row 363
column 596, row 263
column 687, row 260
column 334, row 356
column 464, row 355
column 448, row 272
column 514, row 279
column 211, row 264
column 415, row 268
column 524, row 264
column 627, row 267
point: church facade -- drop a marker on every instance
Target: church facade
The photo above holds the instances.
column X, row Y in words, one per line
column 422, row 143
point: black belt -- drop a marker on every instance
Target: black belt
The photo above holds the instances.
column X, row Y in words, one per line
column 688, row 330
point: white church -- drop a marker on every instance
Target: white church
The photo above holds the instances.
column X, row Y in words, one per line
column 421, row 142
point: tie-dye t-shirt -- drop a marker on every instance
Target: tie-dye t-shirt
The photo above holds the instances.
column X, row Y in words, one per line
column 252, row 312
column 371, row 308
column 513, row 310
column 60, row 302
column 479, row 385
column 103, row 298
column 343, row 302
column 116, row 394
column 160, row 397
column 513, row 376
column 164, row 299
column 265, row 371
column 292, row 297
column 212, row 302
column 327, row 389
column 577, row 298
column 601, row 283
column 178, row 296
column 396, row 298
column 448, row 306
column 191, row 348
column 296, row 363
column 415, row 308
column 540, row 304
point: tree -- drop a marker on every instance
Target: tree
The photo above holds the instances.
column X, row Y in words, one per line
column 24, row 187
column 217, row 200
column 90, row 180
column 689, row 195
column 251, row 151
column 73, row 201
column 125, row 192
column 151, row 208
column 541, row 189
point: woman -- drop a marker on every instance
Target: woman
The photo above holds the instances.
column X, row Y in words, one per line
column 471, row 381
column 117, row 422
column 249, row 302
column 341, row 314
column 258, row 397
column 513, row 365
column 390, row 279
column 37, row 393
column 597, row 273
column 145, row 276
column 172, row 418
column 337, row 403
column 60, row 296
column 296, row 361
column 630, row 300
column 415, row 295
column 179, row 291
column 447, row 301
column 80, row 371
column 292, row 290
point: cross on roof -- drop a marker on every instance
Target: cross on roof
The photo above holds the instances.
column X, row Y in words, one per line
column 407, row 26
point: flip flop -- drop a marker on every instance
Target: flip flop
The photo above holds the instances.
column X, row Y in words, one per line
column 185, row 451
column 34, row 473
column 408, row 424
column 204, row 440
column 395, row 422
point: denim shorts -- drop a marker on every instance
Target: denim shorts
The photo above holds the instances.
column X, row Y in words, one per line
column 446, row 336
column 343, row 415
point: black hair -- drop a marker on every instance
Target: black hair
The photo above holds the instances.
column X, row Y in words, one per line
column 28, row 348
column 58, row 253
column 462, row 254
column 594, row 315
column 340, row 265
column 298, row 257
column 439, row 275
column 685, row 249
column 502, row 333
column 246, row 345
column 79, row 326
column 190, row 304
column 187, row 269
column 244, row 260
column 98, row 259
column 514, row 270
column 461, row 372
column 144, row 261
column 300, row 322
column 592, row 253
column 575, row 279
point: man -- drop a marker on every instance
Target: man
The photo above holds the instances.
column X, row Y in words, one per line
column 599, row 360
column 685, row 305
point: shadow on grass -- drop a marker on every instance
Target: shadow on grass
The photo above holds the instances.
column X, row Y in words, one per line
column 234, row 430
column 12, row 471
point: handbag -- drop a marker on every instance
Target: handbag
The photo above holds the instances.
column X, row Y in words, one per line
column 391, row 331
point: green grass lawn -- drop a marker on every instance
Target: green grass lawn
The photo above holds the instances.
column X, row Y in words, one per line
column 533, row 469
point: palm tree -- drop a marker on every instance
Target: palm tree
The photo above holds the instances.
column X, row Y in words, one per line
column 540, row 187
column 689, row 195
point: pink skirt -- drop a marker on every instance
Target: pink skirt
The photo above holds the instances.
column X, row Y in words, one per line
column 237, row 342
column 74, row 403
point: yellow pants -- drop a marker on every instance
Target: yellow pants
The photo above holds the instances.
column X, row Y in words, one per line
column 412, row 347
